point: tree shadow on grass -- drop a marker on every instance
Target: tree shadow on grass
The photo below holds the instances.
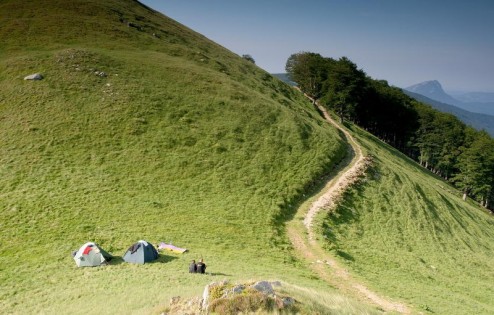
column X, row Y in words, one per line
column 345, row 255
column 431, row 207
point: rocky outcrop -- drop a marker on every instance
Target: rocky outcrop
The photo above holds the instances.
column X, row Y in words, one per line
column 224, row 297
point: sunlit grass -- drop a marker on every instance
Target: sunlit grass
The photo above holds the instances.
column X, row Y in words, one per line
column 184, row 143
column 325, row 302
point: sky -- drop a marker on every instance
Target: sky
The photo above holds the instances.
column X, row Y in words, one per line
column 402, row 41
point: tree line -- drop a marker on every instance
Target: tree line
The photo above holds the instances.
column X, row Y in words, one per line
column 438, row 141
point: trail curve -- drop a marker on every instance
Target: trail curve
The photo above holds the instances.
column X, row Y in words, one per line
column 303, row 237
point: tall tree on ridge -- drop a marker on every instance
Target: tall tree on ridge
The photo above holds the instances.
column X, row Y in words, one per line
column 309, row 71
column 344, row 88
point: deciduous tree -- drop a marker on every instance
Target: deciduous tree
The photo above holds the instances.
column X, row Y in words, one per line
column 344, row 88
column 476, row 167
column 309, row 71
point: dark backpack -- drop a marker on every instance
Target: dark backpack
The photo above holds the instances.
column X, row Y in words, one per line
column 201, row 268
column 193, row 268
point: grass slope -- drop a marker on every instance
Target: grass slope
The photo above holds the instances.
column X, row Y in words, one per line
column 179, row 140
column 410, row 236
column 183, row 141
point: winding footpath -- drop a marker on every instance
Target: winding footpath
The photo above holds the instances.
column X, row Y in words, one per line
column 303, row 238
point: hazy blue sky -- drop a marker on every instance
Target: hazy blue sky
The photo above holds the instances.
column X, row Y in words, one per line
column 402, row 41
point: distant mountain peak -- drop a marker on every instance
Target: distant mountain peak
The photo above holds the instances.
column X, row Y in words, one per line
column 430, row 87
column 433, row 90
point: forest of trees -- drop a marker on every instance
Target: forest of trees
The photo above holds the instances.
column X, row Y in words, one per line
column 438, row 141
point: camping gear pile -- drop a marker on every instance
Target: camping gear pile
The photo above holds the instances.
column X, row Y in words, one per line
column 141, row 252
column 172, row 248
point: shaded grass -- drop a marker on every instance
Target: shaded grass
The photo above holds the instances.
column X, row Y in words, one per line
column 412, row 237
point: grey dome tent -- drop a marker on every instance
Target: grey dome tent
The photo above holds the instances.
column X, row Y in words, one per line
column 140, row 253
column 91, row 255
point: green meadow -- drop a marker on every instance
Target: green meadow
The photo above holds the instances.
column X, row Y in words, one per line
column 156, row 133
column 148, row 152
column 178, row 140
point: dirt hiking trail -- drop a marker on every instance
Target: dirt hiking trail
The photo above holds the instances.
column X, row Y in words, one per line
column 303, row 238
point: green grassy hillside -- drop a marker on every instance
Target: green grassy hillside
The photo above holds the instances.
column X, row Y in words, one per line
column 412, row 237
column 144, row 129
column 178, row 140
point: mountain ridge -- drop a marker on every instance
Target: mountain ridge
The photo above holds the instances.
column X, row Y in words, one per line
column 433, row 90
column 475, row 97
column 432, row 93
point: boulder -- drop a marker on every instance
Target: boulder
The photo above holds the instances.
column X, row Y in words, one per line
column 288, row 301
column 100, row 74
column 205, row 297
column 35, row 76
column 264, row 287
column 238, row 289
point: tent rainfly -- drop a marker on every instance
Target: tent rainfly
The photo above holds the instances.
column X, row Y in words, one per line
column 91, row 255
column 140, row 253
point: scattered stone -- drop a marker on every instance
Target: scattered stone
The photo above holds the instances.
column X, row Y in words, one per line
column 100, row 74
column 263, row 287
column 238, row 289
column 205, row 296
column 175, row 300
column 288, row 301
column 35, row 76
column 136, row 26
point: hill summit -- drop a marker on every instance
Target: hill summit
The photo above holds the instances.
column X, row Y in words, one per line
column 141, row 129
column 433, row 90
column 432, row 93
